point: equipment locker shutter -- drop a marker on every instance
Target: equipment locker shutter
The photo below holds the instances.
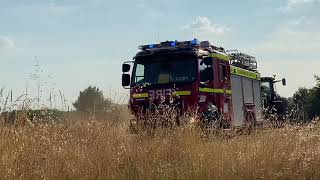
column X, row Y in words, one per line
column 237, row 99
column 257, row 98
column 247, row 90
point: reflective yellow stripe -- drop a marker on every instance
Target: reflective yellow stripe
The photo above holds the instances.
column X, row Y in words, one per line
column 182, row 93
column 245, row 73
column 211, row 90
column 228, row 91
column 220, row 56
column 142, row 95
column 185, row 93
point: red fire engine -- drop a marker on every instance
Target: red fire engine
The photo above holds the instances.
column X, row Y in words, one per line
column 221, row 84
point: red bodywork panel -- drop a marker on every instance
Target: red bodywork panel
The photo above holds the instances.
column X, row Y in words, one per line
column 217, row 92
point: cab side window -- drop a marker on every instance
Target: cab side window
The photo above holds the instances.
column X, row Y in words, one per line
column 223, row 72
column 206, row 70
column 139, row 73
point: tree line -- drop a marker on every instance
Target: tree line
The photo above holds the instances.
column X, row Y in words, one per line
column 304, row 105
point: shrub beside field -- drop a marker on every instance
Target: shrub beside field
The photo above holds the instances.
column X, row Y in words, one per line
column 98, row 150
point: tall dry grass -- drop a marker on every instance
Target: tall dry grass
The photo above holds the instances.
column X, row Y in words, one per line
column 79, row 148
column 97, row 150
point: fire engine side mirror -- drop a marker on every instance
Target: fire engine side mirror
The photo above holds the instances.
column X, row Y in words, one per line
column 125, row 68
column 125, row 80
column 284, row 82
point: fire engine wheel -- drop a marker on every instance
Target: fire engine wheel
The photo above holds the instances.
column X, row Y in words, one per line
column 250, row 121
column 212, row 124
column 150, row 122
column 133, row 126
column 140, row 125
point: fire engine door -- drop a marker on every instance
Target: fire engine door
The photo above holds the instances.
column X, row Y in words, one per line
column 206, row 72
column 224, row 85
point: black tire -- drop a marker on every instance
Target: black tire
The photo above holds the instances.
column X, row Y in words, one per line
column 250, row 122
column 133, row 127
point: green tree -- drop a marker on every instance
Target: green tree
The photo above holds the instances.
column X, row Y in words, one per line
column 299, row 110
column 313, row 106
column 306, row 103
column 318, row 80
column 92, row 100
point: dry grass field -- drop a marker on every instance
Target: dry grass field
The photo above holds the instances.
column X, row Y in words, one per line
column 97, row 150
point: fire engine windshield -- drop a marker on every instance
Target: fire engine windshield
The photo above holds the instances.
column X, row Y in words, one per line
column 175, row 70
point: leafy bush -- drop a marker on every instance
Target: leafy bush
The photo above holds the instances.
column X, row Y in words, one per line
column 92, row 102
column 306, row 103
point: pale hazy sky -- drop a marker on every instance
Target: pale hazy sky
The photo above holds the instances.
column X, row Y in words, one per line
column 80, row 42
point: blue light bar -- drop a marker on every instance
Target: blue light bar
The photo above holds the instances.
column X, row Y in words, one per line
column 173, row 43
column 167, row 44
column 195, row 41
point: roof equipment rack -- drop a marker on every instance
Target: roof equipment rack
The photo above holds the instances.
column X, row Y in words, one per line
column 242, row 60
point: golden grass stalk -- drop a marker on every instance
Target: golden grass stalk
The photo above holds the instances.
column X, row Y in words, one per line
column 97, row 150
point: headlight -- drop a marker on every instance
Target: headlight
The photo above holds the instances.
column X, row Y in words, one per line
column 212, row 107
column 202, row 98
column 192, row 120
column 133, row 121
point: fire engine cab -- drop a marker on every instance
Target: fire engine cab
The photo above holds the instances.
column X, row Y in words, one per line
column 192, row 74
